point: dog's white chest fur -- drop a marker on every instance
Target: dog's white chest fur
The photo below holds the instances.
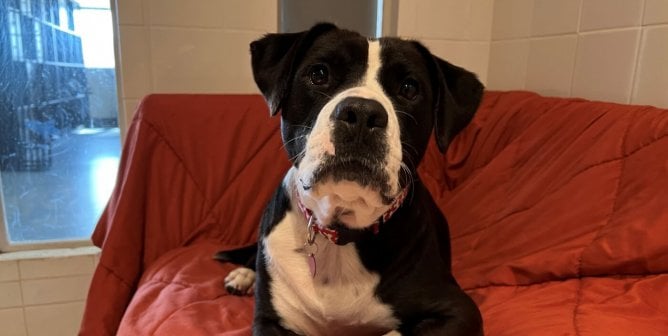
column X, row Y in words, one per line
column 340, row 300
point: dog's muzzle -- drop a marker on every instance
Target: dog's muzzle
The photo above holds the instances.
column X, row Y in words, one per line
column 352, row 159
column 359, row 139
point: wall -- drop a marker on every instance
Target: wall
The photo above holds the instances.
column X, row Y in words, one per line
column 455, row 30
column 612, row 50
column 188, row 46
column 42, row 293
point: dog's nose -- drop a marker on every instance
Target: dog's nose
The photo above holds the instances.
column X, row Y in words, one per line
column 363, row 113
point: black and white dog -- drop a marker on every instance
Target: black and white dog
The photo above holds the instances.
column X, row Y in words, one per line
column 352, row 243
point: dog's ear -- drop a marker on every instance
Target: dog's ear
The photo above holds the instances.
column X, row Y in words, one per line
column 457, row 95
column 274, row 59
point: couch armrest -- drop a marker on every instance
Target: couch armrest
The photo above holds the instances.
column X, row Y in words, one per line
column 194, row 167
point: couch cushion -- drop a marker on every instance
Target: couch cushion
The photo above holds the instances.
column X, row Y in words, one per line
column 195, row 168
column 558, row 211
column 558, row 217
column 182, row 293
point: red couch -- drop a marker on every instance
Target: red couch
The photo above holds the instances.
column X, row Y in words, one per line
column 558, row 211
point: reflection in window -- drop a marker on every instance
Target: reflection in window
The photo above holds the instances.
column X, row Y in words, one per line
column 59, row 138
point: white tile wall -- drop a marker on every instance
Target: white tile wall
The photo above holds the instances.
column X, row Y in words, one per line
column 550, row 65
column 457, row 31
column 194, row 60
column 407, row 16
column 512, row 19
column 651, row 84
column 555, row 17
column 188, row 46
column 612, row 50
column 656, row 11
column 130, row 106
column 508, row 64
column 180, row 13
column 482, row 15
column 9, row 270
column 43, row 292
column 605, row 64
column 54, row 290
column 55, row 267
column 602, row 14
column 478, row 59
column 135, row 61
column 12, row 322
column 10, row 294
column 472, row 55
column 255, row 15
column 444, row 19
column 54, row 320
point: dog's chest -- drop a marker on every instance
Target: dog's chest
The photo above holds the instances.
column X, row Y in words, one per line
column 340, row 299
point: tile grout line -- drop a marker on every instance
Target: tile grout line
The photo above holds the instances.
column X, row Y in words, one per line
column 639, row 46
column 558, row 35
column 64, row 302
column 528, row 38
column 491, row 40
column 146, row 20
column 577, row 47
column 58, row 277
column 577, row 32
column 23, row 304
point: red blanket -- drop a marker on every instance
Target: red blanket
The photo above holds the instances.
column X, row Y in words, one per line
column 558, row 212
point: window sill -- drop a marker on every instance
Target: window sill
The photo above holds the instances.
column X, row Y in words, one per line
column 50, row 253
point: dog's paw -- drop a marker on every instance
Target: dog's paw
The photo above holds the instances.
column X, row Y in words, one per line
column 393, row 333
column 240, row 281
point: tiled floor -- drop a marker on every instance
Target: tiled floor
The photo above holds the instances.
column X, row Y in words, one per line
column 64, row 201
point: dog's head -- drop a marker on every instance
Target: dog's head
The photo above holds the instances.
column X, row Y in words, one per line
column 357, row 114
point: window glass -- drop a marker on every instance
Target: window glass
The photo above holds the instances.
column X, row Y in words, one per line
column 59, row 137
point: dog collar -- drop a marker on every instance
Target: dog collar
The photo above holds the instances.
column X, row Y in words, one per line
column 338, row 233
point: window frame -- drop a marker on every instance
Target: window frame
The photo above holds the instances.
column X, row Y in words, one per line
column 8, row 246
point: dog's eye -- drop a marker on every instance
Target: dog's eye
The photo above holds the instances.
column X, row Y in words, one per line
column 409, row 89
column 319, row 74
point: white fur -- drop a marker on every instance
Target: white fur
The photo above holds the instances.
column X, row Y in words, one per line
column 361, row 206
column 340, row 300
column 393, row 333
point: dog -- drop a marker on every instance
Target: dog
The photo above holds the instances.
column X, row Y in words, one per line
column 352, row 243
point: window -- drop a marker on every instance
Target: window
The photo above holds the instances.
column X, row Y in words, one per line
column 59, row 136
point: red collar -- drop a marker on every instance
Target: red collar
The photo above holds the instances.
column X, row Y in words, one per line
column 340, row 234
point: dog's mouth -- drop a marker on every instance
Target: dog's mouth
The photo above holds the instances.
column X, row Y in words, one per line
column 368, row 173
column 347, row 190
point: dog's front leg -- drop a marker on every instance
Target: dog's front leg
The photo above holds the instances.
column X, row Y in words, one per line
column 457, row 316
column 264, row 327
column 442, row 326
column 266, row 321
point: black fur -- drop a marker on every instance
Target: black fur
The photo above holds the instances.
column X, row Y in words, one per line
column 411, row 253
column 266, row 319
column 243, row 256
